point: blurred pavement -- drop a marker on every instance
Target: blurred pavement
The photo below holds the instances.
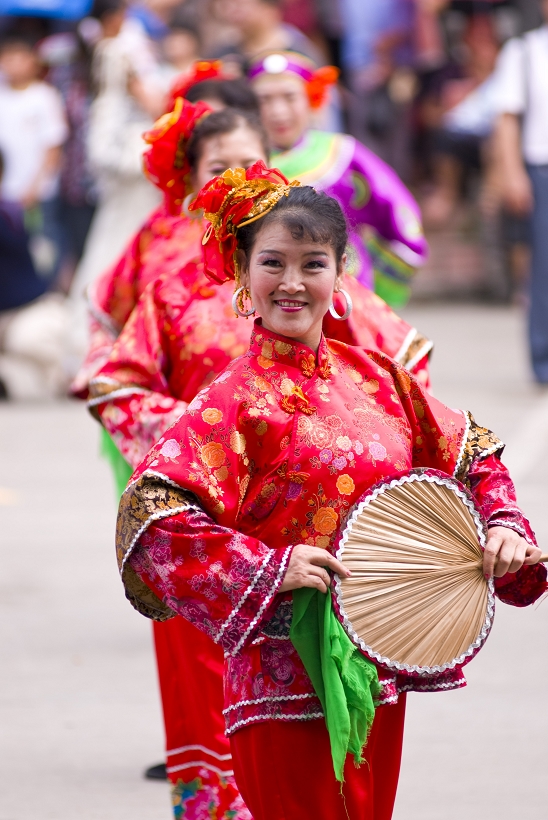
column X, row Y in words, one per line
column 79, row 706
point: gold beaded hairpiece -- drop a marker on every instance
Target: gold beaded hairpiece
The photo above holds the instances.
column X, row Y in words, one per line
column 246, row 189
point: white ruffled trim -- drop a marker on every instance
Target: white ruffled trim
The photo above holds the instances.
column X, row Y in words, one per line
column 116, row 394
column 267, row 699
column 245, row 596
column 277, row 582
column 257, row 718
column 466, row 430
column 158, row 516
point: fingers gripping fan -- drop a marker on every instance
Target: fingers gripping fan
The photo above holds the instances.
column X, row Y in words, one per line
column 417, row 600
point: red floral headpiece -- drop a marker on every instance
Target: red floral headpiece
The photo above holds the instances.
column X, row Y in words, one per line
column 318, row 81
column 165, row 162
column 201, row 70
column 236, row 198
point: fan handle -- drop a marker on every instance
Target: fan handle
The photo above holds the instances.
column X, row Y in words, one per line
column 544, row 559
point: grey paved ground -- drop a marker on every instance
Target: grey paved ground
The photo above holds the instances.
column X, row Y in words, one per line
column 79, row 712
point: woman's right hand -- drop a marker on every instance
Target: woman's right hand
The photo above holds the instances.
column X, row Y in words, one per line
column 307, row 568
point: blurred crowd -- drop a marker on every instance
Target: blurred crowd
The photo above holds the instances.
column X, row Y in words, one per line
column 452, row 95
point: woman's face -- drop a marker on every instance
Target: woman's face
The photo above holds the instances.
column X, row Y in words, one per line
column 285, row 108
column 291, row 282
column 238, row 149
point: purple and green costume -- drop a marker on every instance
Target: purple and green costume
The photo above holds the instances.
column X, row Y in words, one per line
column 386, row 239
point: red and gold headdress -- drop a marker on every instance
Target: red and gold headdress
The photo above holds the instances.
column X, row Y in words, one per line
column 165, row 162
column 236, row 198
column 201, row 70
column 318, row 81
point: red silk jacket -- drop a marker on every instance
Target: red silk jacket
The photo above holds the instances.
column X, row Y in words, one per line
column 164, row 244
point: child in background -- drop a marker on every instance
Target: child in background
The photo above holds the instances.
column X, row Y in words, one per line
column 32, row 322
column 32, row 132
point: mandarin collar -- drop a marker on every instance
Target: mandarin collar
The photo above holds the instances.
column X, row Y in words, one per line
column 301, row 143
column 280, row 350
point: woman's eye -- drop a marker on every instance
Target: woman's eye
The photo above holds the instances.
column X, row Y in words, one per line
column 315, row 264
column 271, row 263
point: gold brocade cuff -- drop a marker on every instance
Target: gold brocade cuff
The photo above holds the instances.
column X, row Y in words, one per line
column 419, row 347
column 478, row 443
column 147, row 500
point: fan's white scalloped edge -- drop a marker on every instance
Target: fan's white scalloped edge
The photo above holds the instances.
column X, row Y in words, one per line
column 487, row 624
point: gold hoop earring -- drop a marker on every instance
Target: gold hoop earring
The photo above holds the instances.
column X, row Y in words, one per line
column 238, row 303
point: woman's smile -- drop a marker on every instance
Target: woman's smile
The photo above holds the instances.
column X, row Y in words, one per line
column 290, row 305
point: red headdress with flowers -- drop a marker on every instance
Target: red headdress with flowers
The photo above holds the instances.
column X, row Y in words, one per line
column 318, row 81
column 236, row 198
column 165, row 162
column 201, row 70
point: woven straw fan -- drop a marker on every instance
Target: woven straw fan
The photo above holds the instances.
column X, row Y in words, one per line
column 417, row 599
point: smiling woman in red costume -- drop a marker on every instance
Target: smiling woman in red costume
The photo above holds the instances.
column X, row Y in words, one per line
column 180, row 336
column 241, row 501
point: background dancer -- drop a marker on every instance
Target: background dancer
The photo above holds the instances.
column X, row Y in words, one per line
column 386, row 238
column 197, row 753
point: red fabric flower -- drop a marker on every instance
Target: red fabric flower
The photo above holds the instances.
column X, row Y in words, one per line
column 227, row 201
column 201, row 70
column 321, row 82
column 165, row 162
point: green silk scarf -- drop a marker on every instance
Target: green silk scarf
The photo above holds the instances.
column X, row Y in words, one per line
column 121, row 470
column 346, row 683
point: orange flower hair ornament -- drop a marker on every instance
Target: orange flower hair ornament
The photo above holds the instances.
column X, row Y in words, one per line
column 165, row 162
column 201, row 70
column 318, row 81
column 236, row 198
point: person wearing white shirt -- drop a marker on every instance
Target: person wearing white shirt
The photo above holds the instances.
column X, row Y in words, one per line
column 522, row 136
column 32, row 132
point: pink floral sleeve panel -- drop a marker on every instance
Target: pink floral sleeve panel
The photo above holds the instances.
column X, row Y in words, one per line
column 223, row 582
column 495, row 495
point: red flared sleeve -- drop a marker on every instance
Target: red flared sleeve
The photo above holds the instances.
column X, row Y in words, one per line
column 495, row 495
column 223, row 582
column 183, row 551
column 131, row 395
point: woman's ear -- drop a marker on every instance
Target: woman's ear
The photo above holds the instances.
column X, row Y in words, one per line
column 243, row 268
column 340, row 274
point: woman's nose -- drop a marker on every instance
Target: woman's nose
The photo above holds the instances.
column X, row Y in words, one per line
column 291, row 283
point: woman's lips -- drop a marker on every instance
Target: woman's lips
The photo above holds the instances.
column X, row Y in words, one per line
column 289, row 305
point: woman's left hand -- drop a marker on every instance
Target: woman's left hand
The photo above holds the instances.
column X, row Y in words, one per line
column 506, row 551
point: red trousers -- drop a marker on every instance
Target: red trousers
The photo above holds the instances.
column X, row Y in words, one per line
column 199, row 762
column 284, row 770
